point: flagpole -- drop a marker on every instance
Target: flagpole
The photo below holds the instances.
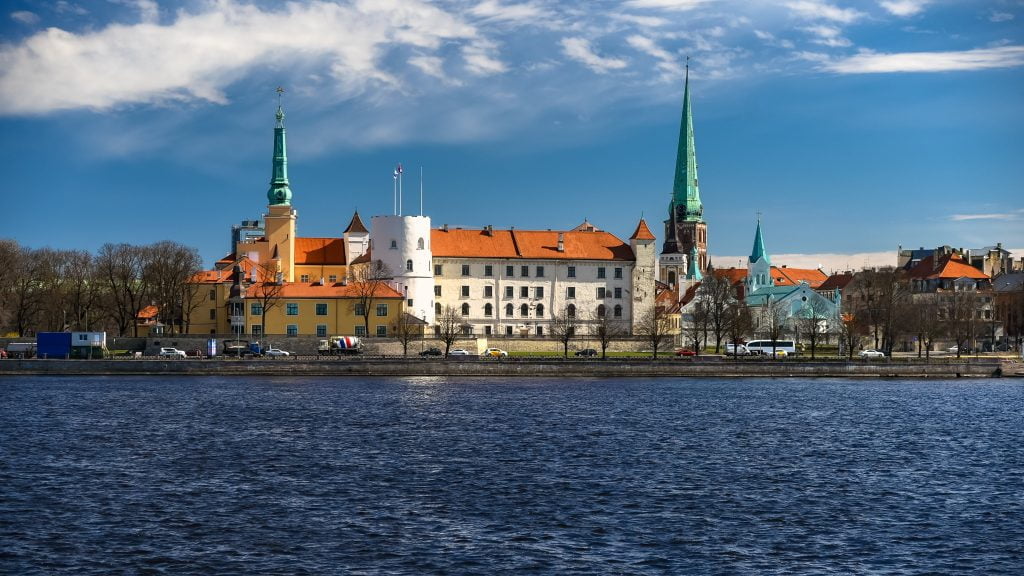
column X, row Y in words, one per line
column 399, row 188
column 394, row 194
column 421, row 190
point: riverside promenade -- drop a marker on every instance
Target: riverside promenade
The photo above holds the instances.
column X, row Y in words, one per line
column 517, row 367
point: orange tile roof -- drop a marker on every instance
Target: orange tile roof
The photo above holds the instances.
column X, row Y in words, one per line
column 951, row 266
column 304, row 290
column 733, row 275
column 642, row 232
column 319, row 251
column 225, row 271
column 148, row 313
column 532, row 244
column 794, row 276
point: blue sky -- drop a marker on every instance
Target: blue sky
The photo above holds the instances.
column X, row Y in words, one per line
column 853, row 127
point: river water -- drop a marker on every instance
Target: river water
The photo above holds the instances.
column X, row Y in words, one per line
column 214, row 475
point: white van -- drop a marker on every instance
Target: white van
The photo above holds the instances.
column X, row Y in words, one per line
column 766, row 347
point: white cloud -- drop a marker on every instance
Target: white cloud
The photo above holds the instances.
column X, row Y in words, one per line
column 978, row 59
column 903, row 7
column 25, row 17
column 820, row 10
column 996, row 216
column 771, row 40
column 496, row 11
column 827, row 261
column 579, row 49
column 1000, row 17
column 667, row 63
column 642, row 21
column 149, row 10
column 828, row 36
column 199, row 54
column 666, row 4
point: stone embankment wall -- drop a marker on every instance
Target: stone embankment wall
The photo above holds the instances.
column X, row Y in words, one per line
column 472, row 366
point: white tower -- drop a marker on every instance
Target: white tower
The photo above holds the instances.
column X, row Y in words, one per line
column 403, row 244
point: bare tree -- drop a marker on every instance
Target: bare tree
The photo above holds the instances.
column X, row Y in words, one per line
column 449, row 327
column 739, row 323
column 772, row 320
column 563, row 328
column 695, row 326
column 367, row 281
column 605, row 330
column 813, row 322
column 407, row 328
column 265, row 292
column 172, row 266
column 925, row 317
column 10, row 261
column 25, row 295
column 880, row 297
column 655, row 327
column 717, row 294
column 962, row 315
column 123, row 268
column 84, row 290
column 852, row 329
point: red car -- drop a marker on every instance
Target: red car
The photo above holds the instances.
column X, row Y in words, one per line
column 685, row 352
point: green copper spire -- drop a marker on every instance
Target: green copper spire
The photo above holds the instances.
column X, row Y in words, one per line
column 685, row 192
column 759, row 252
column 692, row 268
column 279, row 192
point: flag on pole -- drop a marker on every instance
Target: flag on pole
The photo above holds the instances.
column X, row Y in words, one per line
column 399, row 169
column 395, row 175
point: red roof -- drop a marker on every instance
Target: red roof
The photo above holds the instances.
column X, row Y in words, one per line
column 784, row 276
column 304, row 290
column 642, row 232
column 951, row 267
column 532, row 244
column 733, row 275
column 148, row 313
column 837, row 281
column 319, row 251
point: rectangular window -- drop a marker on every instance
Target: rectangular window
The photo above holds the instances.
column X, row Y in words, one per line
column 213, row 313
column 382, row 330
column 321, row 309
column 409, row 302
column 509, row 292
column 600, row 272
column 570, row 292
column 540, row 330
column 524, row 292
column 321, row 330
column 487, row 330
column 600, row 292
column 465, row 269
column 465, row 291
column 508, row 330
column 488, row 270
column 333, row 278
column 618, row 293
column 293, row 329
column 256, row 309
column 437, row 290
column 292, row 309
column 359, row 309
column 360, row 330
column 538, row 292
column 540, row 271
column 437, row 269
column 571, row 273
column 257, row 330
column 524, row 271
column 467, row 330
column 382, row 310
column 618, row 273
column 488, row 291
column 508, row 271
column 213, row 293
column 304, row 278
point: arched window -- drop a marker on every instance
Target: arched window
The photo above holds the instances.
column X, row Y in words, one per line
column 570, row 310
column 524, row 311
column 540, row 310
column 394, row 244
column 488, row 310
column 671, row 277
column 465, row 309
column 509, row 310
column 600, row 310
column 618, row 311
column 408, row 265
column 419, row 244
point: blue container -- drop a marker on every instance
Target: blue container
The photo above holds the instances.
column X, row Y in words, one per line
column 53, row 345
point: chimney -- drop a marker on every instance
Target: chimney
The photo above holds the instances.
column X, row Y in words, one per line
column 489, row 230
column 561, row 242
column 444, row 227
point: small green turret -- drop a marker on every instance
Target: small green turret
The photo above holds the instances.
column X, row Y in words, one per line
column 279, row 192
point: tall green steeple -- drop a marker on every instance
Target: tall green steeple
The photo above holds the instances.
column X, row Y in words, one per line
column 685, row 191
column 279, row 192
column 759, row 252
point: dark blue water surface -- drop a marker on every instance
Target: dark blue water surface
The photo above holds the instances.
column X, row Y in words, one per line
column 484, row 476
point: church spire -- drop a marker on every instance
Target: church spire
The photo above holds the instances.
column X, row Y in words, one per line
column 693, row 267
column 758, row 252
column 685, row 191
column 279, row 192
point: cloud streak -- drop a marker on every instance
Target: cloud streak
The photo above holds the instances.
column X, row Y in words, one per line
column 580, row 50
column 969, row 217
column 880, row 63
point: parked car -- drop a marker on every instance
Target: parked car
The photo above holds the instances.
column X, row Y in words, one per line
column 868, row 354
column 432, row 352
column 495, row 353
column 171, row 353
column 587, row 352
column 458, row 352
column 685, row 352
column 737, row 350
column 953, row 349
column 275, row 352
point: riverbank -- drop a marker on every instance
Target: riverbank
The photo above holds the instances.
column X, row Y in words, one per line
column 712, row 367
